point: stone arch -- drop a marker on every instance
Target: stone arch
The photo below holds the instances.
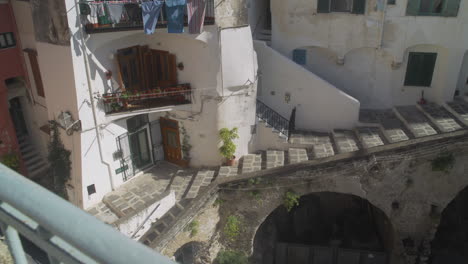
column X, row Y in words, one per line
column 450, row 242
column 277, row 206
column 193, row 252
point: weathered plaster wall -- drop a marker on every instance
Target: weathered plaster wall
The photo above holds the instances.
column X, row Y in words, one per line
column 231, row 13
column 368, row 74
column 404, row 176
column 50, row 20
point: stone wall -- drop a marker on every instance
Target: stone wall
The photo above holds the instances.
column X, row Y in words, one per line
column 50, row 21
column 402, row 183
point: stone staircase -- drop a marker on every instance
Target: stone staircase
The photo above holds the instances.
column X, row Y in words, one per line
column 376, row 128
column 35, row 163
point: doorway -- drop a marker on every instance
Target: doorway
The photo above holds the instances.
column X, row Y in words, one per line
column 171, row 141
column 139, row 147
column 16, row 113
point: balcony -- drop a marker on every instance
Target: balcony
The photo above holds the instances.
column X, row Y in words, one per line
column 132, row 18
column 61, row 231
column 122, row 102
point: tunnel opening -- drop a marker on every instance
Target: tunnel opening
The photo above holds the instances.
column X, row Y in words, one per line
column 450, row 244
column 325, row 228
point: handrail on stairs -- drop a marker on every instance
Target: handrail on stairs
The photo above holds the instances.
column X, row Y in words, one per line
column 274, row 119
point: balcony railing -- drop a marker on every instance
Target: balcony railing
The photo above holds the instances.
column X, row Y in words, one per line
column 65, row 233
column 138, row 100
column 134, row 20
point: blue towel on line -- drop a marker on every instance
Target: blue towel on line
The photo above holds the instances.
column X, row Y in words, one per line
column 175, row 15
column 150, row 12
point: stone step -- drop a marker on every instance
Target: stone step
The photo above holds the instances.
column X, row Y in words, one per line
column 459, row 108
column 227, row 171
column 440, row 117
column 297, row 155
column 345, row 141
column 179, row 185
column 370, row 136
column 207, row 177
column 251, row 163
column 27, row 149
column 40, row 171
column 320, row 143
column 415, row 121
column 392, row 127
column 274, row 158
column 196, row 184
column 265, row 31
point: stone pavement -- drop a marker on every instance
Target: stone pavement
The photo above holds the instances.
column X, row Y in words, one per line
column 274, row 158
column 442, row 118
column 321, row 143
column 251, row 163
column 393, row 127
column 370, row 136
column 142, row 191
column 227, row 171
column 461, row 108
column 345, row 141
column 297, row 155
column 417, row 122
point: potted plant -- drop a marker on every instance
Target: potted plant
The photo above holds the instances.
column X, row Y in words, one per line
column 228, row 148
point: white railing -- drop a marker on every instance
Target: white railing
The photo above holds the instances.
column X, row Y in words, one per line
column 66, row 233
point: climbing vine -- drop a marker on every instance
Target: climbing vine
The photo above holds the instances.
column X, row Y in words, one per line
column 186, row 147
column 59, row 161
column 11, row 160
column 444, row 162
column 290, row 200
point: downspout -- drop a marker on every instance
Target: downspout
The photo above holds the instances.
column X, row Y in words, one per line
column 93, row 108
column 384, row 13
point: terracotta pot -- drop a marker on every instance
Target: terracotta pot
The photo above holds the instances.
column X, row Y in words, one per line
column 231, row 162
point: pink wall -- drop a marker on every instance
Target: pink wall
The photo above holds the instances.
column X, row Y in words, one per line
column 11, row 65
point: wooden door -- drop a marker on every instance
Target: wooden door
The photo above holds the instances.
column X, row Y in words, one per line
column 171, row 141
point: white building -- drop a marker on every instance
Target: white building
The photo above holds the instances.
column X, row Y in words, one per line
column 132, row 98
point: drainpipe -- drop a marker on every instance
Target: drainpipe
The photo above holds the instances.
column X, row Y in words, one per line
column 384, row 11
column 93, row 108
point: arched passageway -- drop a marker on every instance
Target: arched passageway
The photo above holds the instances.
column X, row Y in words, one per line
column 450, row 244
column 192, row 253
column 328, row 228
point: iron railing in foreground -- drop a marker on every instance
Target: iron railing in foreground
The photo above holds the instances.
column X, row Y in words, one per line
column 66, row 233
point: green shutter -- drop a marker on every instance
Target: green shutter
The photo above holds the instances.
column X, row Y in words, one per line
column 323, row 6
column 451, row 8
column 427, row 69
column 412, row 69
column 359, row 7
column 412, row 9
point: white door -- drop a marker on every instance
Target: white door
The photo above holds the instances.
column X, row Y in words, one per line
column 157, row 141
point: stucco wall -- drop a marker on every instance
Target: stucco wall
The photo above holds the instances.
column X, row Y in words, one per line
column 352, row 38
column 320, row 105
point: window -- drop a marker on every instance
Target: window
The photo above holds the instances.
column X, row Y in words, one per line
column 447, row 8
column 91, row 189
column 7, row 40
column 420, row 68
column 32, row 55
column 300, row 56
column 391, row 2
column 350, row 6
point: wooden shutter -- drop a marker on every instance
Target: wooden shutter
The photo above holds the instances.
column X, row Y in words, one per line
column 412, row 69
column 32, row 55
column 162, row 69
column 130, row 68
column 412, row 9
column 451, row 8
column 323, row 6
column 427, row 71
column 359, row 7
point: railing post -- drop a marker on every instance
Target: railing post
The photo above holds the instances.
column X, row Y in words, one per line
column 14, row 244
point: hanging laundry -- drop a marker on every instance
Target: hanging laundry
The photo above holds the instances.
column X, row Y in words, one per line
column 196, row 15
column 116, row 11
column 150, row 12
column 93, row 12
column 134, row 13
column 175, row 15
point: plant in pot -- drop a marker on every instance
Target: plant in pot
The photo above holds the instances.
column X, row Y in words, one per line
column 228, row 148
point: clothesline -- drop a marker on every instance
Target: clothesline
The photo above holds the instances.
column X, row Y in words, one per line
column 117, row 2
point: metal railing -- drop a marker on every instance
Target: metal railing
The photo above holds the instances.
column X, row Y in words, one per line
column 132, row 18
column 273, row 118
column 64, row 232
column 120, row 102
